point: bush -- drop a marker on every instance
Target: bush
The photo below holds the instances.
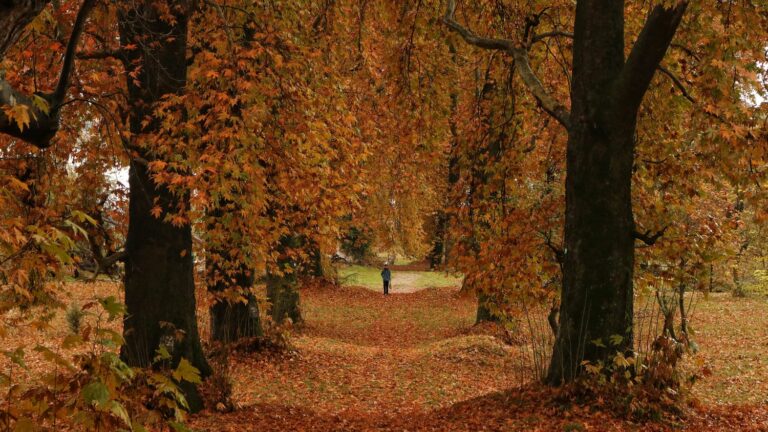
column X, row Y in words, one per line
column 640, row 387
column 96, row 390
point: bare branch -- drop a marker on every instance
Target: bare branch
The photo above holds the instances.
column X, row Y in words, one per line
column 677, row 83
column 520, row 55
column 109, row 261
column 557, row 251
column 104, row 264
column 556, row 33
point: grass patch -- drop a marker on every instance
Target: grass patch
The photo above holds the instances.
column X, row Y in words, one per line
column 370, row 277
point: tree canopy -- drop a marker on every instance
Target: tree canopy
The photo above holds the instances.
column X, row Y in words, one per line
column 557, row 153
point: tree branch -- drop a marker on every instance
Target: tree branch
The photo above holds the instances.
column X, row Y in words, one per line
column 14, row 17
column 556, row 250
column 103, row 264
column 108, row 261
column 546, row 35
column 647, row 53
column 71, row 51
column 116, row 54
column 42, row 110
column 677, row 83
column 520, row 55
column 647, row 237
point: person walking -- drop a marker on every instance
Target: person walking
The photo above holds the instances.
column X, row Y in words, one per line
column 386, row 276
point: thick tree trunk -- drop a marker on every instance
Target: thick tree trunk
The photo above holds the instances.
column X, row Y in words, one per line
column 599, row 249
column 282, row 285
column 283, row 295
column 319, row 264
column 597, row 301
column 606, row 94
column 233, row 321
column 159, row 281
column 599, row 245
column 235, row 313
column 159, row 274
column 231, row 281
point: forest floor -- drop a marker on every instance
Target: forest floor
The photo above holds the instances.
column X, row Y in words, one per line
column 415, row 361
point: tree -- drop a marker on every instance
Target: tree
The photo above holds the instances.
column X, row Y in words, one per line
column 159, row 274
column 606, row 94
column 230, row 280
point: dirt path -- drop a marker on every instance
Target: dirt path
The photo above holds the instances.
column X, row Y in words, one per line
column 363, row 355
column 404, row 283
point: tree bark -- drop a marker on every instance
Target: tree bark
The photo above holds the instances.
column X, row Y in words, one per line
column 159, row 273
column 14, row 17
column 282, row 285
column 606, row 94
column 234, row 320
column 43, row 123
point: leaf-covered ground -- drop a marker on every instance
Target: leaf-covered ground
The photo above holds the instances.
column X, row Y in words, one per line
column 414, row 361
column 411, row 362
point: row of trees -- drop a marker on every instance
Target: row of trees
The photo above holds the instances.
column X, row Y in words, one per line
column 541, row 159
column 252, row 140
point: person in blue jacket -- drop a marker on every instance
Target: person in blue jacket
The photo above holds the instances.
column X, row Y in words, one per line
column 386, row 276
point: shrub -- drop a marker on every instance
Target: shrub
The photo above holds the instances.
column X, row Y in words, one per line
column 641, row 387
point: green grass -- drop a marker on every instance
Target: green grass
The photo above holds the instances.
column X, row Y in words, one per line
column 432, row 279
column 370, row 277
column 356, row 275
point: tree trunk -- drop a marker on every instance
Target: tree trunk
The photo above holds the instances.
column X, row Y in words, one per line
column 683, row 314
column 43, row 124
column 606, row 94
column 230, row 279
column 231, row 321
column 159, row 274
column 319, row 264
column 597, row 298
column 235, row 313
column 282, row 285
column 484, row 313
